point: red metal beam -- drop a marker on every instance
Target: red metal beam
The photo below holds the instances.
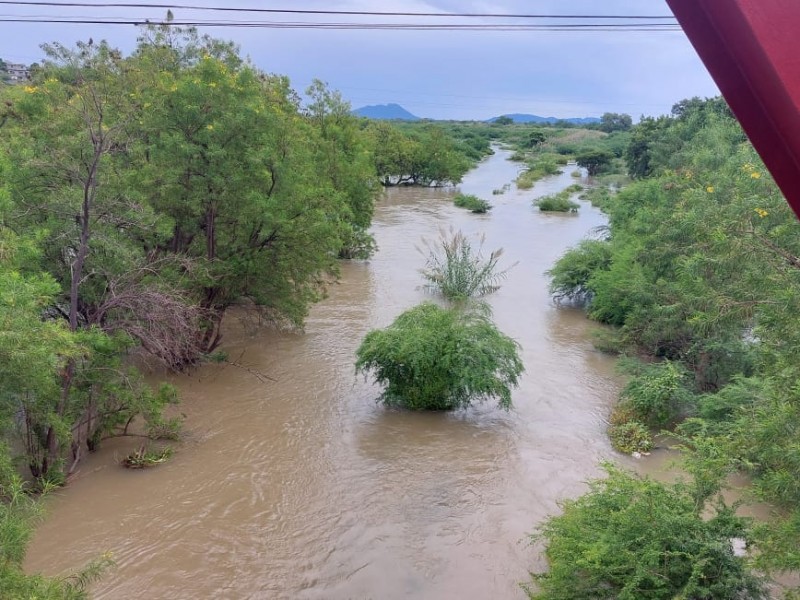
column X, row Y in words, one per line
column 750, row 47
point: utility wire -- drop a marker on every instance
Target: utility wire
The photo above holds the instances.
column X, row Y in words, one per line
column 336, row 12
column 607, row 27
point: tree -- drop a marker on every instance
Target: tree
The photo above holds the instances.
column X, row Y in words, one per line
column 535, row 138
column 633, row 539
column 434, row 358
column 504, row 120
column 611, row 122
column 344, row 159
column 594, row 160
column 255, row 196
column 75, row 121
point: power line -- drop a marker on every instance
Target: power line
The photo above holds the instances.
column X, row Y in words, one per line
column 507, row 27
column 338, row 12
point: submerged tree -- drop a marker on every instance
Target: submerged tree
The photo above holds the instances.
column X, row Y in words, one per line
column 434, row 358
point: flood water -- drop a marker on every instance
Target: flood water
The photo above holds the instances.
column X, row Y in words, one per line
column 305, row 487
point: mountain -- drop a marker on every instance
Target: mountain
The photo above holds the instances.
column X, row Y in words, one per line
column 525, row 118
column 388, row 112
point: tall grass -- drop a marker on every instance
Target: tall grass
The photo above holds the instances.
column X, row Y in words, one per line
column 458, row 270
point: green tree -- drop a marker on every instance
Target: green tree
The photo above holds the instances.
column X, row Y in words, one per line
column 434, row 358
column 343, row 157
column 255, row 196
column 611, row 122
column 594, row 160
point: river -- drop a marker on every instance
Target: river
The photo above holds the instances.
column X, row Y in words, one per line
column 304, row 487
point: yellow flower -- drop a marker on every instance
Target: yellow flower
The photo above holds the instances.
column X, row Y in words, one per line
column 755, row 175
column 30, row 89
column 761, row 212
column 710, row 189
column 212, row 84
column 209, row 127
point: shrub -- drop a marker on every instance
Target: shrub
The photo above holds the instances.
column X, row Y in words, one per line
column 630, row 538
column 570, row 278
column 471, row 203
column 630, row 437
column 557, row 203
column 657, row 393
column 458, row 271
column 541, row 167
column 434, row 358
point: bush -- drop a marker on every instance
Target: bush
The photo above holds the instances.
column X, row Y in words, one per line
column 557, row 203
column 658, row 394
column 471, row 203
column 434, row 358
column 630, row 437
column 543, row 166
column 632, row 538
column 458, row 271
column 570, row 278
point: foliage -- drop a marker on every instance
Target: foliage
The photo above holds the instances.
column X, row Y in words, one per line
column 658, row 393
column 145, row 457
column 18, row 512
column 539, row 168
column 434, row 358
column 699, row 271
column 630, row 437
column 610, row 122
column 631, row 538
column 560, row 202
column 140, row 197
column 460, row 272
column 570, row 277
column 425, row 154
column 471, row 203
column 594, row 161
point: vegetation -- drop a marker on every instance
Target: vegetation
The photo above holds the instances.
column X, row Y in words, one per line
column 594, row 161
column 698, row 270
column 472, row 203
column 538, row 168
column 458, row 271
column 560, row 202
column 434, row 358
column 631, row 538
column 18, row 512
column 423, row 154
column 140, row 198
column 146, row 457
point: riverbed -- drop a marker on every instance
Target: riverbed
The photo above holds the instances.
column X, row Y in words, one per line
column 299, row 485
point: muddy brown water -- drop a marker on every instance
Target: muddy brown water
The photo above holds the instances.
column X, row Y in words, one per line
column 304, row 487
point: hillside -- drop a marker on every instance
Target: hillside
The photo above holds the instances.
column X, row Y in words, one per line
column 388, row 112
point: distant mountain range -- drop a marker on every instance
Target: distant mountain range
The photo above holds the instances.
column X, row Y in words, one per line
column 395, row 112
column 526, row 118
column 386, row 112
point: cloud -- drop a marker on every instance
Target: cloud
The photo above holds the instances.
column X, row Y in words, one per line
column 444, row 74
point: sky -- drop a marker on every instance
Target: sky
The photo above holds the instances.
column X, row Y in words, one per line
column 433, row 74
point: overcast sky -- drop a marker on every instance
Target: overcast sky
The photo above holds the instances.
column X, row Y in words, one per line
column 444, row 74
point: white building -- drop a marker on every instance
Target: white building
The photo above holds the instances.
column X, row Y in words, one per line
column 17, row 72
